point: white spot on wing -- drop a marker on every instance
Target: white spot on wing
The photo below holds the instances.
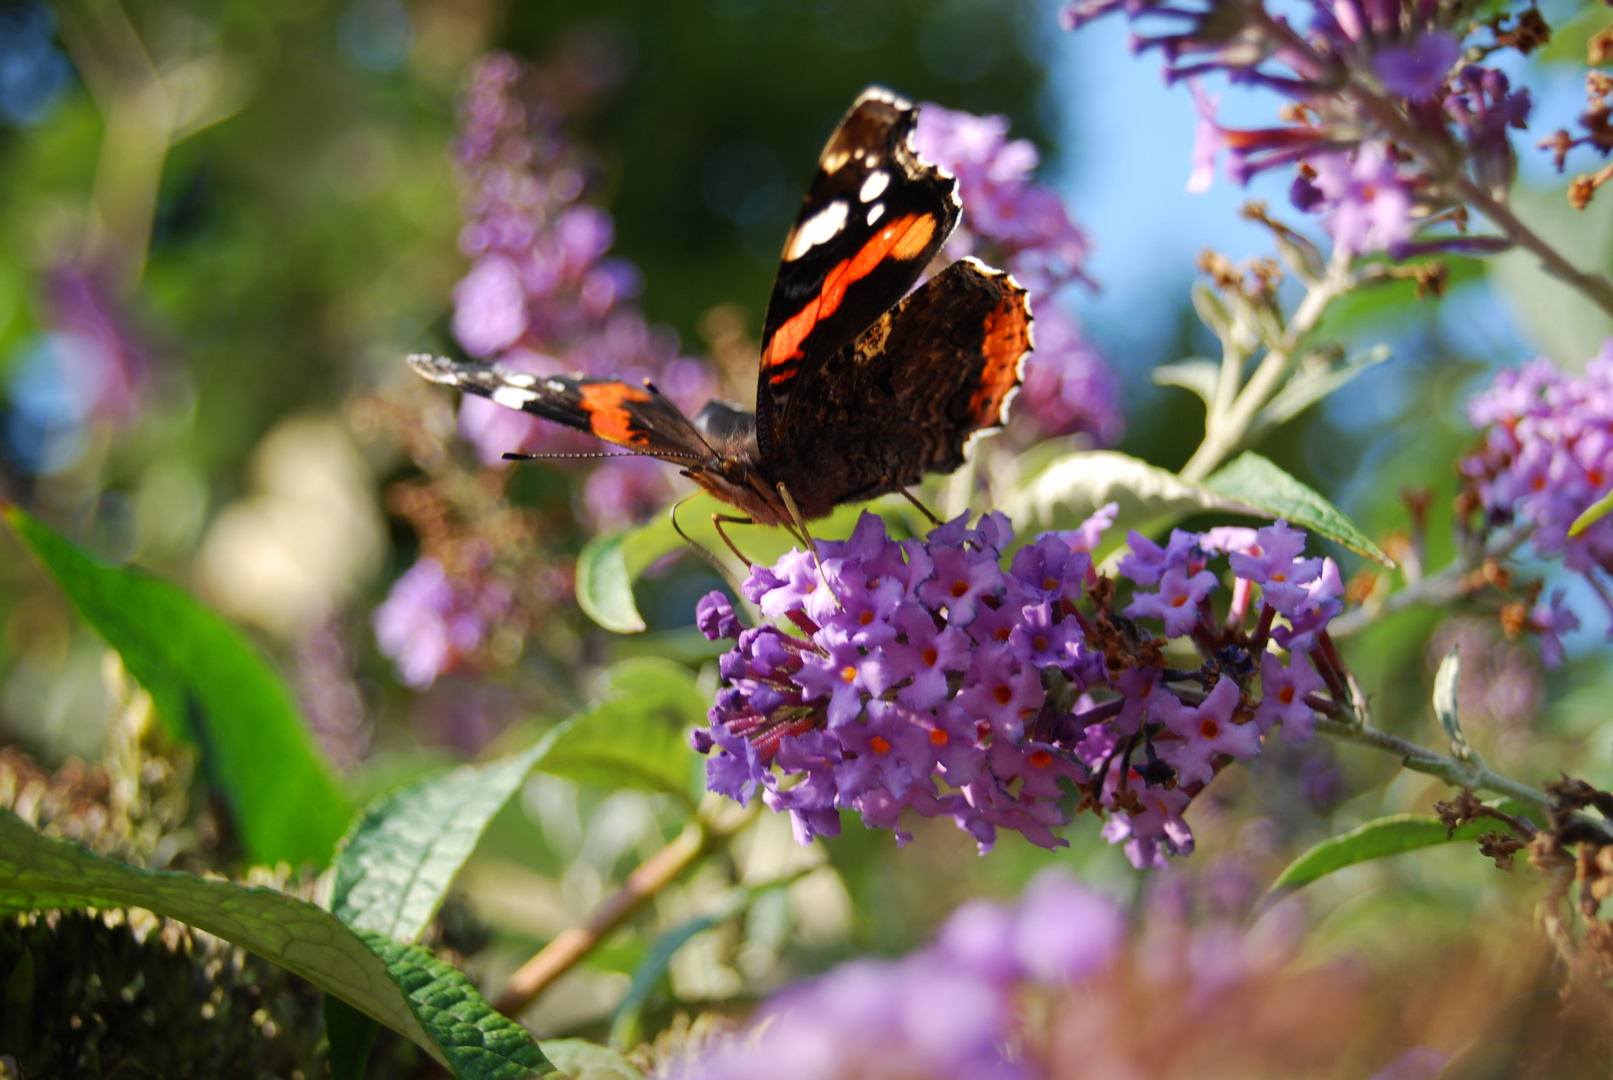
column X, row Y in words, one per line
column 557, row 386
column 874, row 186
column 513, row 397
column 516, row 378
column 820, row 227
column 875, row 211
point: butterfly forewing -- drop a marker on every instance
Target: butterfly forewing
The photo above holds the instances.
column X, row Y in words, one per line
column 875, row 216
column 638, row 417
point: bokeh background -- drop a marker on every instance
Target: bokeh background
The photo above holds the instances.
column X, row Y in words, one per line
column 223, row 226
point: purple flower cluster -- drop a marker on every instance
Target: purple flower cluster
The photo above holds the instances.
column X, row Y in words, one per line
column 923, row 676
column 1379, row 183
column 430, row 621
column 952, row 1009
column 1012, row 221
column 1547, row 456
column 542, row 295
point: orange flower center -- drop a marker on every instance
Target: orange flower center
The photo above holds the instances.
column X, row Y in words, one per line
column 959, row 588
column 865, row 618
column 1286, row 695
column 938, row 737
column 1041, row 759
column 1279, row 576
column 1038, row 643
column 1179, row 601
column 1049, row 584
column 879, row 745
column 1003, row 694
column 849, row 674
column 1209, row 729
column 930, row 657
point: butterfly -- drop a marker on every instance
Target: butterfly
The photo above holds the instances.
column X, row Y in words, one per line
column 863, row 386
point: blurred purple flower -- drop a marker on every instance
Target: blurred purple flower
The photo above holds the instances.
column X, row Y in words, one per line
column 1416, row 68
column 542, row 294
column 429, row 621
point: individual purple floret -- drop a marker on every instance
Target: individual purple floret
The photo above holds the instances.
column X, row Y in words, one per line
column 926, row 679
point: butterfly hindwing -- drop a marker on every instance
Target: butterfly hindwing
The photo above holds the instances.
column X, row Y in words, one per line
column 638, row 417
column 906, row 397
column 874, row 217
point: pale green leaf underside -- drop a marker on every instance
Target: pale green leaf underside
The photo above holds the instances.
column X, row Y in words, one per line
column 401, row 985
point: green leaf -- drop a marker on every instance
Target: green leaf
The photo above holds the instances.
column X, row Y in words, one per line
column 1196, row 374
column 580, row 1059
column 352, row 1036
column 1377, row 839
column 1252, row 479
column 1593, row 513
column 405, row 849
column 605, row 583
column 401, row 985
column 213, row 687
column 1075, row 485
column 634, row 735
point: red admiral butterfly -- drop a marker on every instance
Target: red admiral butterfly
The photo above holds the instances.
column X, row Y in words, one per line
column 863, row 388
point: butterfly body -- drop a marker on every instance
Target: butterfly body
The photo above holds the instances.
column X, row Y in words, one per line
column 863, row 386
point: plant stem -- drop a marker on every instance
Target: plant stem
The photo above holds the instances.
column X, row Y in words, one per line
column 699, row 838
column 1225, row 429
column 642, row 885
column 1446, row 585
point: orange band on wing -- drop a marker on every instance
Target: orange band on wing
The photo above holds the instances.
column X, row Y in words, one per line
column 905, row 238
column 606, row 416
column 1007, row 338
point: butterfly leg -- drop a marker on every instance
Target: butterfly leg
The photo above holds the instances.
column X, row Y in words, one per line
column 709, row 556
column 925, row 510
column 718, row 519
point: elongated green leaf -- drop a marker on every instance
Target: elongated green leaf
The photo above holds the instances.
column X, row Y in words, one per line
column 1255, row 481
column 405, row 849
column 1593, row 513
column 579, row 1059
column 214, row 687
column 401, row 985
column 1374, row 840
column 1147, row 497
column 635, row 734
column 1308, row 387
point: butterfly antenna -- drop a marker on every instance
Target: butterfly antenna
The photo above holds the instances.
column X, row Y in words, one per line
column 603, row 454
